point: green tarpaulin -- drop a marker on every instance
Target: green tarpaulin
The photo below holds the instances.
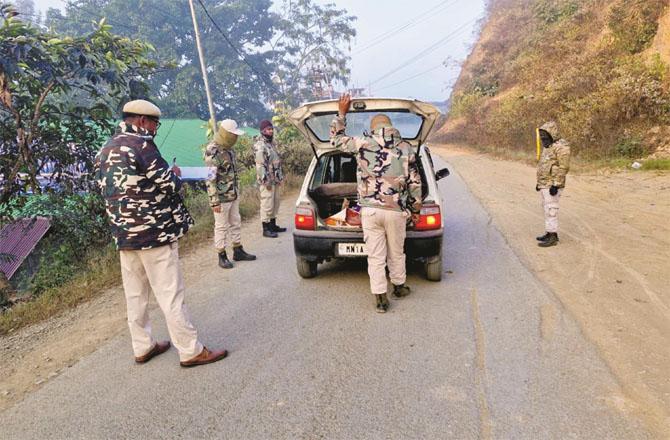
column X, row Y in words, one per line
column 185, row 140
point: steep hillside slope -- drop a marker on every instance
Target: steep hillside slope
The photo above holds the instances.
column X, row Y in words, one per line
column 598, row 67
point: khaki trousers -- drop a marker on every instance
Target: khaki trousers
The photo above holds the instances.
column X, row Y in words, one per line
column 550, row 205
column 384, row 233
column 227, row 226
column 269, row 203
column 157, row 269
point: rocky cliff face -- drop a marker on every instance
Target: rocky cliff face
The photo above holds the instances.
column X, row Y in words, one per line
column 597, row 67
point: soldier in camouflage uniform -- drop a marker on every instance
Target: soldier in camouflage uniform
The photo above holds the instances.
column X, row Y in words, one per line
column 147, row 217
column 223, row 191
column 389, row 192
column 269, row 176
column 551, row 172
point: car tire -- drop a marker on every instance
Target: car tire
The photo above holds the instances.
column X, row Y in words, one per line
column 306, row 268
column 434, row 268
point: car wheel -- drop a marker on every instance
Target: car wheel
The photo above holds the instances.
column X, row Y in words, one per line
column 434, row 268
column 306, row 268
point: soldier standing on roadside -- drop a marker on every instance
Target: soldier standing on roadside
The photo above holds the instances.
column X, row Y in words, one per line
column 223, row 191
column 147, row 217
column 551, row 172
column 269, row 176
column 389, row 192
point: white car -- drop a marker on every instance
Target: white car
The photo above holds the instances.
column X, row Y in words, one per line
column 331, row 178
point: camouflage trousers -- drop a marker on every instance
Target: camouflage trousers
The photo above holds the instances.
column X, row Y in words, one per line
column 157, row 270
column 550, row 205
column 269, row 202
column 384, row 233
column 227, row 226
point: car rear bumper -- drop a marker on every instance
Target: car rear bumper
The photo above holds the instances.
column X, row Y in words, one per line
column 317, row 245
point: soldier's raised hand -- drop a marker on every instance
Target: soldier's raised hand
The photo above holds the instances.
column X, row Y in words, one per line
column 343, row 104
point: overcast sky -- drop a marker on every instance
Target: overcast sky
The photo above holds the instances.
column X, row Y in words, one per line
column 401, row 43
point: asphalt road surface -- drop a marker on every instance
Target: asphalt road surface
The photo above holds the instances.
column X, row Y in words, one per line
column 486, row 353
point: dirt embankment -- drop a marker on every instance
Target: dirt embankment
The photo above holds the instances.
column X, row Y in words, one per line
column 611, row 270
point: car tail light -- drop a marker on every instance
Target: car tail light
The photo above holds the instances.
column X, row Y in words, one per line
column 429, row 218
column 304, row 218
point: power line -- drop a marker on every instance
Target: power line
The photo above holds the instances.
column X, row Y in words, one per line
column 411, row 77
column 238, row 52
column 425, row 52
column 426, row 15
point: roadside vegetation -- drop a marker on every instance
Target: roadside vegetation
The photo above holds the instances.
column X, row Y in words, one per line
column 596, row 67
column 62, row 82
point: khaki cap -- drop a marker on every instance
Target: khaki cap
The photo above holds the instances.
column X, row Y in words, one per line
column 230, row 126
column 380, row 121
column 142, row 107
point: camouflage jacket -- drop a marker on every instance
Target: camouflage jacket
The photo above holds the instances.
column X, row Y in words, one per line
column 222, row 184
column 554, row 165
column 268, row 162
column 388, row 176
column 141, row 192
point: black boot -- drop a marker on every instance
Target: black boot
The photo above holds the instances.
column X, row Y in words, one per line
column 543, row 237
column 276, row 228
column 240, row 255
column 382, row 303
column 267, row 230
column 401, row 291
column 552, row 240
column 224, row 262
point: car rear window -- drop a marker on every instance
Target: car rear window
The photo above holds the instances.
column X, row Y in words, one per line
column 409, row 124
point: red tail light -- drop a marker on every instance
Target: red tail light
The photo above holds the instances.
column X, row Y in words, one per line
column 304, row 218
column 430, row 218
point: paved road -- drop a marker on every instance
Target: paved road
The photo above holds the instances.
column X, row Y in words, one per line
column 487, row 353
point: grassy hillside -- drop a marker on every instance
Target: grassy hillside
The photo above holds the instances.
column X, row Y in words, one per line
column 598, row 67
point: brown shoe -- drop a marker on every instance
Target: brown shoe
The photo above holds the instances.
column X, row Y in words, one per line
column 159, row 348
column 205, row 357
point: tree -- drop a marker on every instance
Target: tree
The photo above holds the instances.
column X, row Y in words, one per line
column 308, row 49
column 240, row 90
column 255, row 58
column 59, row 96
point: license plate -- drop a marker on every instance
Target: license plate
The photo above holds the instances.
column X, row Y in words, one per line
column 351, row 250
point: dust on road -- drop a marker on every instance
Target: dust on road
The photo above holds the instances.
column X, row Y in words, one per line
column 611, row 270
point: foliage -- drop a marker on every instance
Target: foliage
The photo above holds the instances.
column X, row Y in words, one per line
column 629, row 147
column 78, row 225
column 576, row 62
column 656, row 164
column 168, row 26
column 308, row 49
column 634, row 27
column 552, row 11
column 58, row 96
column 280, row 50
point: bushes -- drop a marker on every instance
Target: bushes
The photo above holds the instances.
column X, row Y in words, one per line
column 635, row 26
column 78, row 225
column 567, row 61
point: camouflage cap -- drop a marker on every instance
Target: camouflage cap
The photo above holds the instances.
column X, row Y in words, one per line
column 142, row 107
column 551, row 127
column 380, row 121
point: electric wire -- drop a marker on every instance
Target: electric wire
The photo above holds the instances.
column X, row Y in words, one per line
column 428, row 50
column 426, row 15
column 263, row 77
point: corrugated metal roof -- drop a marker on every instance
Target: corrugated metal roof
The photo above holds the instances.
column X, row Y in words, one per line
column 17, row 241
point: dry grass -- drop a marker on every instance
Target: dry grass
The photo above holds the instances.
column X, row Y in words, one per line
column 103, row 271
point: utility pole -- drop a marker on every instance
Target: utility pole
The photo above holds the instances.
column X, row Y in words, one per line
column 202, row 66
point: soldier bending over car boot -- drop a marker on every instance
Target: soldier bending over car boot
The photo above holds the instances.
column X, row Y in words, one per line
column 389, row 193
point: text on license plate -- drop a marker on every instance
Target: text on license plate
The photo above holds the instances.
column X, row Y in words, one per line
column 351, row 249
